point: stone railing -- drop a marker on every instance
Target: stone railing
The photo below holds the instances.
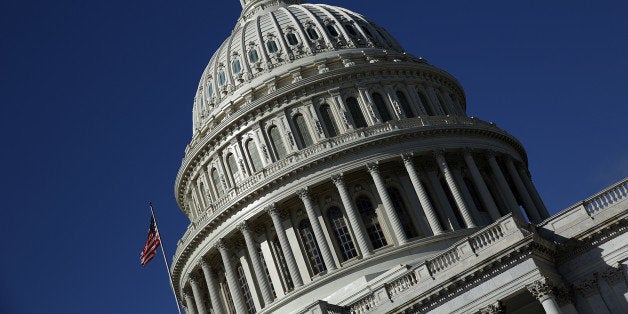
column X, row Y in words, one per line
column 324, row 148
column 606, row 198
column 420, row 278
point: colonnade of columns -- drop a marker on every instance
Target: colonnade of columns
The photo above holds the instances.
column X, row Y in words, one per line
column 445, row 202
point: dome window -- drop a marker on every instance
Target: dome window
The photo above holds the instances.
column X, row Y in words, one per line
column 222, row 78
column 311, row 32
column 253, row 56
column 292, row 39
column 272, row 46
column 351, row 30
column 332, row 30
column 236, row 66
column 367, row 32
column 210, row 90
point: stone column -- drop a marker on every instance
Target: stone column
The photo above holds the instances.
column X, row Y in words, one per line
column 455, row 190
column 190, row 307
column 588, row 288
column 564, row 299
column 426, row 205
column 509, row 198
column 352, row 214
column 542, row 290
column 260, row 274
column 528, row 204
column 614, row 277
column 198, row 296
column 540, row 206
column 232, row 279
column 273, row 212
column 466, row 195
column 212, row 286
column 397, row 227
column 304, row 194
column 485, row 194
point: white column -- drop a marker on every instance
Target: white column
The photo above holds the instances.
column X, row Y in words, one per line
column 212, row 286
column 509, row 198
column 466, row 196
column 397, row 227
column 304, row 194
column 528, row 204
column 232, row 278
column 426, row 205
column 260, row 274
column 198, row 296
column 273, row 212
column 190, row 307
column 485, row 195
column 455, row 190
column 543, row 291
column 540, row 206
column 589, row 290
column 354, row 221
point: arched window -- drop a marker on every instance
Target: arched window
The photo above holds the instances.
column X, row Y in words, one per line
column 351, row 30
column 311, row 247
column 216, row 182
column 301, row 131
column 402, row 212
column 246, row 292
column 292, row 39
column 356, row 112
column 425, row 103
column 332, row 30
column 272, row 46
column 380, row 105
column 312, row 33
column 276, row 142
column 405, row 105
column 281, row 264
column 251, row 150
column 222, row 79
column 442, row 103
column 341, row 233
column 236, row 67
column 370, row 221
column 210, row 90
column 328, row 121
column 203, row 192
column 232, row 165
column 253, row 56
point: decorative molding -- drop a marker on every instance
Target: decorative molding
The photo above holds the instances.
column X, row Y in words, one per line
column 613, row 275
column 541, row 289
column 587, row 287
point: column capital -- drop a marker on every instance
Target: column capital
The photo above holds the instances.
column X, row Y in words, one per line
column 337, row 179
column 205, row 262
column 613, row 275
column 407, row 157
column 193, row 279
column 304, row 193
column 187, row 295
column 244, row 227
column 272, row 209
column 564, row 296
column 587, row 287
column 221, row 244
column 438, row 153
column 541, row 289
column 497, row 307
column 372, row 167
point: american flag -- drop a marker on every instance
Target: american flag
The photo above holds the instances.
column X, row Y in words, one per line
column 152, row 243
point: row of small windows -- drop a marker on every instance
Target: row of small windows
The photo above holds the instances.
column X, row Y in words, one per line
column 272, row 47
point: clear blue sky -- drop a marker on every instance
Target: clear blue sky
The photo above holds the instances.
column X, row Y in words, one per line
column 96, row 100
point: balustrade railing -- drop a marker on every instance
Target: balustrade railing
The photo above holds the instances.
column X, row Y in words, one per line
column 486, row 238
column 606, row 198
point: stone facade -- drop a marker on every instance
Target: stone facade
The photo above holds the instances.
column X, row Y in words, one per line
column 326, row 163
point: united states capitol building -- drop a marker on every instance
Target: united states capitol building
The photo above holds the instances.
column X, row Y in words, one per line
column 330, row 171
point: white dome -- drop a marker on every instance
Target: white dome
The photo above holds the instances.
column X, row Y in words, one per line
column 274, row 38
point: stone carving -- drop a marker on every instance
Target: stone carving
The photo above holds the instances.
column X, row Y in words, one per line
column 587, row 287
column 613, row 275
column 372, row 167
column 497, row 307
column 337, row 179
column 541, row 290
column 304, row 193
column 563, row 296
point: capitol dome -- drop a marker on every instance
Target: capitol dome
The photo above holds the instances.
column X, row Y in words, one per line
column 326, row 161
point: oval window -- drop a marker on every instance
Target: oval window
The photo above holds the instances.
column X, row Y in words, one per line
column 311, row 32
column 272, row 46
column 292, row 39
column 253, row 56
column 332, row 30
column 236, row 66
column 222, row 78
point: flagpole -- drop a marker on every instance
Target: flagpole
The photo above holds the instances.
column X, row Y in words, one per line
column 163, row 253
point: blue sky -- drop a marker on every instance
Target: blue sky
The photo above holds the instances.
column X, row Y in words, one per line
column 96, row 101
